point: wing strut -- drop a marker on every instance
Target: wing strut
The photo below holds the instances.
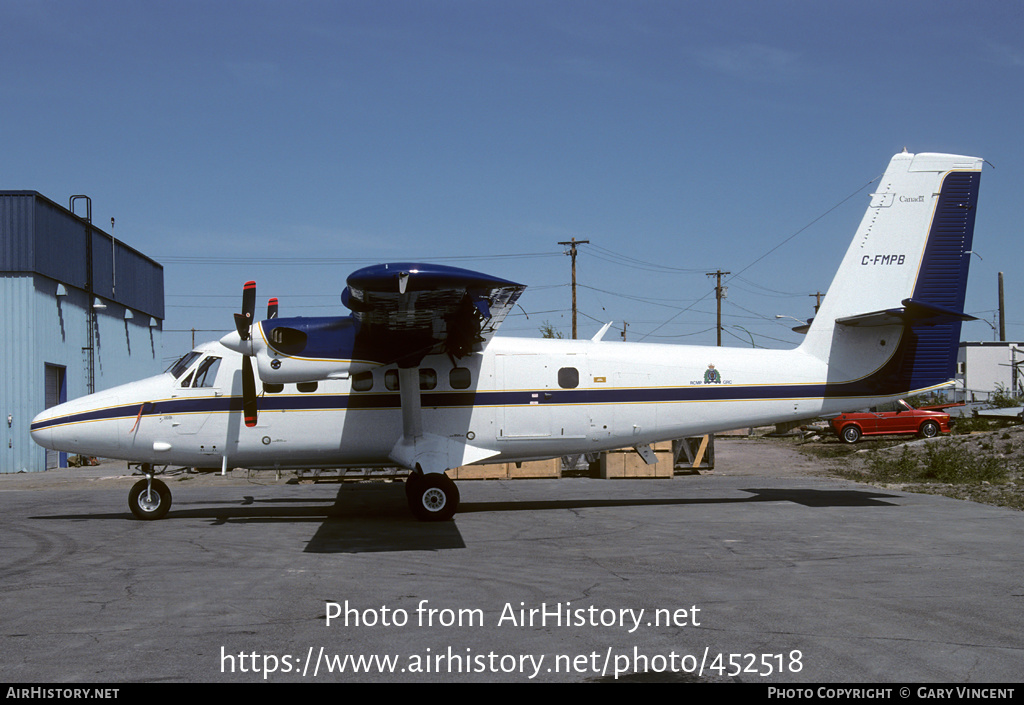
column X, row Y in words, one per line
column 412, row 410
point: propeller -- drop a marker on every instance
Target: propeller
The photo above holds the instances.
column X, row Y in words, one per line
column 272, row 308
column 249, row 406
column 243, row 324
column 243, row 320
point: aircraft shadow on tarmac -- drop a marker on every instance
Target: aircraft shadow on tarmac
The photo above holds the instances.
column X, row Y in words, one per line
column 369, row 518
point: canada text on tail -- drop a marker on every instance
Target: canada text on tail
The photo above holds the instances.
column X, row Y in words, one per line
column 890, row 322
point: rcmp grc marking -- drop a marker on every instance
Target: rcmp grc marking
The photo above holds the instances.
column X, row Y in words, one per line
column 882, row 259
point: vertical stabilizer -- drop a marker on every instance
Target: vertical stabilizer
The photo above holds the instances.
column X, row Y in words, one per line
column 891, row 318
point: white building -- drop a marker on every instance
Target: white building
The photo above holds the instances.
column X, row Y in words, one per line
column 987, row 367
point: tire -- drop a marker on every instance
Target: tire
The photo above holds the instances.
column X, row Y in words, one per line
column 149, row 504
column 929, row 429
column 850, row 434
column 412, row 484
column 433, row 497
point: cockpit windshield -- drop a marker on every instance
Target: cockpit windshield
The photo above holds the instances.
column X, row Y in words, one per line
column 179, row 367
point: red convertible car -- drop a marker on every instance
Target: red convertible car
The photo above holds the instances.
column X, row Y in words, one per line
column 897, row 417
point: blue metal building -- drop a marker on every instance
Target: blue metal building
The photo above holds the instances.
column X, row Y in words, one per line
column 82, row 312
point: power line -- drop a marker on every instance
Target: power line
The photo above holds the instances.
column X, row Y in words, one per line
column 275, row 261
column 837, row 205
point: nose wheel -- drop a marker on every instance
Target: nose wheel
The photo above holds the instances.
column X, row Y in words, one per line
column 149, row 499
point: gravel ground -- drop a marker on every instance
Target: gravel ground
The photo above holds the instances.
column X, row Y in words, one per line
column 1002, row 446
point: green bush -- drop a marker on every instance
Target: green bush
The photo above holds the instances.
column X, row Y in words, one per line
column 939, row 462
column 1004, row 398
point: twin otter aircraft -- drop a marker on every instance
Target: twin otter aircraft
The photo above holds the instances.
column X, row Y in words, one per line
column 414, row 377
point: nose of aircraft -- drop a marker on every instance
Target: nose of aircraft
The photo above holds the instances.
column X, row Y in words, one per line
column 88, row 425
column 43, row 428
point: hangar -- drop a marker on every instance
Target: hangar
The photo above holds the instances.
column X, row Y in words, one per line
column 83, row 312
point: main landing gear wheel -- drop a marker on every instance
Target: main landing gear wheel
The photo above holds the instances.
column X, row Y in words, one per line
column 432, row 497
column 149, row 499
column 412, row 484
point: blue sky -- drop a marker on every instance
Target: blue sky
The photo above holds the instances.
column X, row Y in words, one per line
column 294, row 142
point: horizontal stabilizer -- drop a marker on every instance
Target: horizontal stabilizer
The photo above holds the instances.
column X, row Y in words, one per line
column 911, row 312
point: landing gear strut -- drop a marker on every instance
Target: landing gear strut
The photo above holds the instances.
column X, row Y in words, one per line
column 149, row 499
column 432, row 496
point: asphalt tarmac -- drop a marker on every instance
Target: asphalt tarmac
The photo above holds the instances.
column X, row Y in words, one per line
column 756, row 572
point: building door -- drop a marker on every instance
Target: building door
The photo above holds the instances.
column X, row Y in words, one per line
column 56, row 392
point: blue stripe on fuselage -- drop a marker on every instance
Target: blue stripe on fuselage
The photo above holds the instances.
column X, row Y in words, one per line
column 465, row 399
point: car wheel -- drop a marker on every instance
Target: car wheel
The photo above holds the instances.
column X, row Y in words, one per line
column 929, row 429
column 850, row 434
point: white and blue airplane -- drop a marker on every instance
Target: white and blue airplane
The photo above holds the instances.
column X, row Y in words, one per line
column 415, row 378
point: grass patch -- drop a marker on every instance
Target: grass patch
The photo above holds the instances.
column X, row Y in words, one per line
column 938, row 462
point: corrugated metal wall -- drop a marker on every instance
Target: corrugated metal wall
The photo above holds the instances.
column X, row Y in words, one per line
column 43, row 249
column 17, row 349
column 34, row 228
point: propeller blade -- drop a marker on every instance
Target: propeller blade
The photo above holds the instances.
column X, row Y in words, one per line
column 242, row 325
column 272, row 308
column 243, row 320
column 249, row 299
column 249, row 405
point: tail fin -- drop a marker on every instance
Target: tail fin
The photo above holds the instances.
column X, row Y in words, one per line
column 890, row 322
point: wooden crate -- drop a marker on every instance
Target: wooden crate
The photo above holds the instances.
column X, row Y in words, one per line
column 509, row 471
column 536, row 468
column 627, row 463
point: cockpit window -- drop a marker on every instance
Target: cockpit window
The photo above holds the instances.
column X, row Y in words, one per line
column 206, row 373
column 179, row 367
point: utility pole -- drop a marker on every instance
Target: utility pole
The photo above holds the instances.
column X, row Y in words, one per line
column 1002, row 311
column 625, row 325
column 572, row 253
column 718, row 297
column 817, row 295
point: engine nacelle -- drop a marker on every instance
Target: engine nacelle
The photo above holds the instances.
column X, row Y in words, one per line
column 275, row 368
column 308, row 349
column 305, row 349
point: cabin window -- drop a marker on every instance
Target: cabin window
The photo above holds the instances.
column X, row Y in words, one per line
column 428, row 378
column 206, row 373
column 362, row 382
column 273, row 388
column 306, row 387
column 568, row 378
column 459, row 378
column 391, row 380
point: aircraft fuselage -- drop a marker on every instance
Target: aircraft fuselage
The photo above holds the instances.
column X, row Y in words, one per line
column 524, row 399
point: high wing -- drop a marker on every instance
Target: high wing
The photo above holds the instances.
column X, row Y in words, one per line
column 400, row 313
column 408, row 310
